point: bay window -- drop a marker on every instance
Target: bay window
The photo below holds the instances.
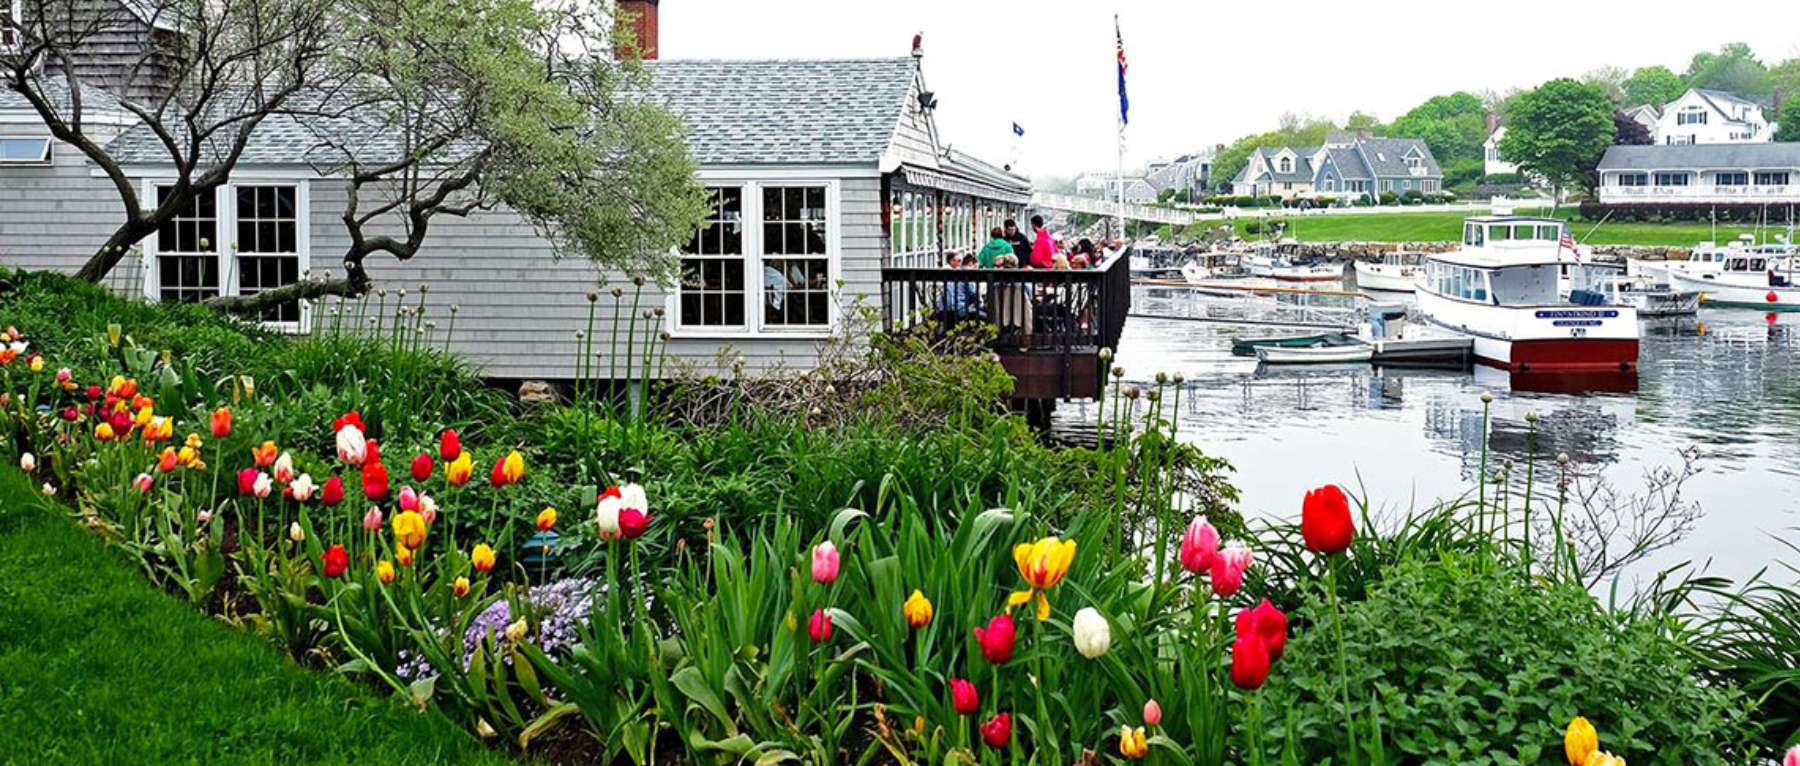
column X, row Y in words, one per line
column 764, row 259
column 240, row 239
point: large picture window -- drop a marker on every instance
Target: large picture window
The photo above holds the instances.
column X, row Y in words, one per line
column 242, row 239
column 796, row 265
column 712, row 265
column 763, row 260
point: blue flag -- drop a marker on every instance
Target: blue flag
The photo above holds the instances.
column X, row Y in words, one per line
column 1018, row 131
column 1124, row 100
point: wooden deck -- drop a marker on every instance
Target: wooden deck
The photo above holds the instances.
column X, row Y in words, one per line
column 1049, row 326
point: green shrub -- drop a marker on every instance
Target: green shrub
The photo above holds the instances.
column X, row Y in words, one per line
column 1463, row 661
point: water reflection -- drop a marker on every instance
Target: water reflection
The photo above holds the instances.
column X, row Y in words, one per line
column 1725, row 382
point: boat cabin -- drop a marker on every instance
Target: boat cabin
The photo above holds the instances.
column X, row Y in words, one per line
column 1511, row 232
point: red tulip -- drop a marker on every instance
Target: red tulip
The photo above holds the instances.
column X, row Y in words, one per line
column 375, row 480
column 449, row 445
column 221, row 422
column 497, row 477
column 633, row 523
column 351, row 418
column 1199, row 546
column 963, row 697
column 421, row 467
column 93, row 393
column 246, row 480
column 336, row 560
column 997, row 732
column 371, row 452
column 1249, row 663
column 333, row 491
column 1267, row 624
column 819, row 627
column 1325, row 520
column 996, row 639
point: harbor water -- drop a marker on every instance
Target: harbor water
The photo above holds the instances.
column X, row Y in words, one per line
column 1717, row 394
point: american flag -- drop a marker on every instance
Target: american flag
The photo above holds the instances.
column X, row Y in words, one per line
column 1568, row 243
column 1124, row 102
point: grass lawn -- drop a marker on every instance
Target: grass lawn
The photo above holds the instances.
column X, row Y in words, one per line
column 97, row 666
column 1447, row 227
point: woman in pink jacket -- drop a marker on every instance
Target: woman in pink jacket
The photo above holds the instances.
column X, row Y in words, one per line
column 1043, row 249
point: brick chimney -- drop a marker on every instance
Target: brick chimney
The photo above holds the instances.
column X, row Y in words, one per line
column 636, row 20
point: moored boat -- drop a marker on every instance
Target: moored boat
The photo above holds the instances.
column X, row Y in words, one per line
column 1395, row 272
column 1318, row 354
column 1307, row 271
column 1758, row 278
column 1501, row 290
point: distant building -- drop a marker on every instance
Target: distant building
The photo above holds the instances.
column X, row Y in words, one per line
column 1190, row 172
column 1701, row 174
column 1711, row 117
column 1349, row 165
column 1492, row 164
column 1646, row 115
column 1137, row 189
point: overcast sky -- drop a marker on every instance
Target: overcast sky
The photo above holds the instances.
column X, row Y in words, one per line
column 1206, row 71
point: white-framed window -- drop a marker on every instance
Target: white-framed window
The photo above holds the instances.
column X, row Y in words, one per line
column 766, row 259
column 1672, row 179
column 1287, row 165
column 1771, row 179
column 1692, row 115
column 11, row 11
column 1633, row 179
column 1731, row 178
column 24, row 150
column 242, row 239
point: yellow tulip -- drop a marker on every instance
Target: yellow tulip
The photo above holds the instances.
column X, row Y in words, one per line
column 404, row 555
column 1580, row 741
column 917, row 609
column 1132, row 743
column 409, row 529
column 514, row 468
column 144, row 414
column 482, row 558
column 103, row 432
column 546, row 519
column 457, row 471
column 1598, row 758
column 384, row 571
column 460, row 588
column 1042, row 564
column 37, row 364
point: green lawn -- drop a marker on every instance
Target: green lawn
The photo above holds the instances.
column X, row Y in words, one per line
column 1447, row 227
column 97, row 666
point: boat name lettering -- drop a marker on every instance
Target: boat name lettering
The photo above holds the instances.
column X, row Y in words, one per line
column 1577, row 323
column 1578, row 314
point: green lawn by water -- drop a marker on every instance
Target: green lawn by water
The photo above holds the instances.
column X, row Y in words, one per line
column 97, row 666
column 1447, row 227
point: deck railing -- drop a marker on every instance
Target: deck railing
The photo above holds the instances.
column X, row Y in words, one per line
column 1075, row 311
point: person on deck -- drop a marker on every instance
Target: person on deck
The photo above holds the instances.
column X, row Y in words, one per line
column 1021, row 244
column 1043, row 249
column 995, row 247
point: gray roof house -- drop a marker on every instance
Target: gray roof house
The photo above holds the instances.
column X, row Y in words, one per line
column 821, row 173
column 1711, row 175
column 1348, row 165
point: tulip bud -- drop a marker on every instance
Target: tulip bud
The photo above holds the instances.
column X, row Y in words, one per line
column 1199, row 546
column 143, row 482
column 963, row 697
column 204, row 517
column 996, row 639
column 997, row 732
column 1580, row 741
column 516, row 631
column 917, row 609
column 28, row 462
column 1792, row 758
column 333, row 491
column 1228, row 570
column 421, row 467
column 1325, row 520
column 1152, row 713
column 460, row 587
column 302, row 488
column 825, row 563
column 372, row 520
column 1249, row 663
column 1093, row 635
column 295, row 533
column 819, row 627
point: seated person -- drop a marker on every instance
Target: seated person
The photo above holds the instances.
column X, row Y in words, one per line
column 960, row 299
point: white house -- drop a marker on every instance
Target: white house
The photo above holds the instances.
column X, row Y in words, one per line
column 1492, row 164
column 1349, row 165
column 1711, row 117
column 1701, row 174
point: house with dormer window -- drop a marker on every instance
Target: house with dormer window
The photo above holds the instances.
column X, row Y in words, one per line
column 1348, row 166
column 1703, row 116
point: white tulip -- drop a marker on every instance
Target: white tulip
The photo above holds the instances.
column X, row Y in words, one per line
column 295, row 533
column 632, row 496
column 302, row 488
column 607, row 515
column 263, row 486
column 352, row 447
column 284, row 468
column 1093, row 635
column 28, row 462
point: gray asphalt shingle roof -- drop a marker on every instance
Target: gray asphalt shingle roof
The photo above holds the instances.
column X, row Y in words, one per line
column 1387, row 156
column 787, row 112
column 93, row 100
column 737, row 112
column 1702, row 156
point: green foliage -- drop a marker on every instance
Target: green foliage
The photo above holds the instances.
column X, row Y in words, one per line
column 1558, row 131
column 102, row 667
column 1655, row 85
column 1610, row 80
column 1733, row 69
column 1784, row 79
column 1454, row 126
column 1464, row 661
column 1789, row 119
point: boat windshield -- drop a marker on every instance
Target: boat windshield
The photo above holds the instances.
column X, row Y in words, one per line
column 1525, row 285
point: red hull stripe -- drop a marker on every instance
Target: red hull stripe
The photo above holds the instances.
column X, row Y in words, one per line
column 1571, row 355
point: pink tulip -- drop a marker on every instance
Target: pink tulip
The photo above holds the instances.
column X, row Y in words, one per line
column 143, row 482
column 1792, row 758
column 819, row 627
column 963, row 697
column 1152, row 713
column 1199, row 546
column 409, row 499
column 1228, row 570
column 825, row 563
column 372, row 520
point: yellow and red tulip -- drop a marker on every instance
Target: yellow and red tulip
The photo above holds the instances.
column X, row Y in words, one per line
column 1042, row 565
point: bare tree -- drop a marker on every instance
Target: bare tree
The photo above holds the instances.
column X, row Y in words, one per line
column 196, row 76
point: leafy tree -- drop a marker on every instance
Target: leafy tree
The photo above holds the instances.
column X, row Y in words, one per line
column 1558, row 132
column 1454, row 126
column 1360, row 120
column 1734, row 69
column 1653, row 85
column 1784, row 79
column 1610, row 80
column 1789, row 121
column 1630, row 132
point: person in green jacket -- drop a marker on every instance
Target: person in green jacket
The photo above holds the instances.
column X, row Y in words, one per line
column 996, row 247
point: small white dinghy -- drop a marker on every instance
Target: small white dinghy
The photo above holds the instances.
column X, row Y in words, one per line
column 1320, row 354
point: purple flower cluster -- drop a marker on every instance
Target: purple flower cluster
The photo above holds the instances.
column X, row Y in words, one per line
column 558, row 608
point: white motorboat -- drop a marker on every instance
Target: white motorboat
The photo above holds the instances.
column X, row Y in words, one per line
column 1322, row 353
column 1501, row 289
column 1705, row 258
column 1758, row 278
column 1307, row 271
column 1650, row 297
column 1395, row 272
column 1213, row 266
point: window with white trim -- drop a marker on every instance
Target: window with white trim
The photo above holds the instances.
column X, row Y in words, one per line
column 796, row 260
column 24, row 150
column 712, row 265
column 1692, row 115
column 10, row 14
column 1771, row 179
column 241, row 239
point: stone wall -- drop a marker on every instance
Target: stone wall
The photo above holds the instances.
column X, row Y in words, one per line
column 1373, row 250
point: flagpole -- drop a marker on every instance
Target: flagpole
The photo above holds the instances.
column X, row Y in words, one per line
column 1119, row 169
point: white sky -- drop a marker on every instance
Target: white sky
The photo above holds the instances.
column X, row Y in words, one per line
column 1210, row 71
